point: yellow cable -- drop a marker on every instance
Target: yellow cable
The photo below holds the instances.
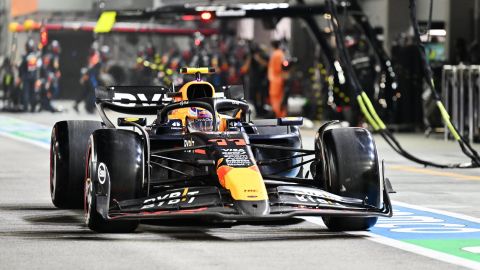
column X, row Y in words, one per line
column 373, row 112
column 446, row 119
column 363, row 108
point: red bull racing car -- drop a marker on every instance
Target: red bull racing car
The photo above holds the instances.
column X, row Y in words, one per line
column 194, row 153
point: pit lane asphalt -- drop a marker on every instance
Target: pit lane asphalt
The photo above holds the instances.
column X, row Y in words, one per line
column 34, row 234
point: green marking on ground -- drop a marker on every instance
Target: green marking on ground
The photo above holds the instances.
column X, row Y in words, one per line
column 451, row 246
column 25, row 130
column 33, row 134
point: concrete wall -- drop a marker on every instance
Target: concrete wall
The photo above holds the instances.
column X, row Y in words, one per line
column 85, row 5
column 128, row 4
column 4, row 20
column 398, row 20
column 440, row 9
column 460, row 26
column 393, row 16
column 65, row 5
column 379, row 15
column 376, row 11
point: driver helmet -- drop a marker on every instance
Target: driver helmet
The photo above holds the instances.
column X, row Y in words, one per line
column 30, row 46
column 199, row 119
column 104, row 53
column 55, row 47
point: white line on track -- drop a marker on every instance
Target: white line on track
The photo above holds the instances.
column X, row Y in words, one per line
column 411, row 247
column 419, row 250
column 436, row 211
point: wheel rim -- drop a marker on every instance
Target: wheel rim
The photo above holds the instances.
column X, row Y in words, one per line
column 88, row 194
column 53, row 171
column 88, row 200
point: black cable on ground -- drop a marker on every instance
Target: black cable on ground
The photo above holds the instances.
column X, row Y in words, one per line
column 368, row 109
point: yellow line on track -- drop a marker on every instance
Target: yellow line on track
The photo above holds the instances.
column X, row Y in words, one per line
column 433, row 172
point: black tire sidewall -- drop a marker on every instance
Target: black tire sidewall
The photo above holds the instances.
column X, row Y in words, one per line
column 353, row 171
column 119, row 151
column 67, row 161
column 59, row 167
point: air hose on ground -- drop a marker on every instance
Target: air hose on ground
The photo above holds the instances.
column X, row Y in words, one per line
column 368, row 109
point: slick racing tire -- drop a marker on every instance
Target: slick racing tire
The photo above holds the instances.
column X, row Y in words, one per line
column 352, row 171
column 67, row 161
column 115, row 158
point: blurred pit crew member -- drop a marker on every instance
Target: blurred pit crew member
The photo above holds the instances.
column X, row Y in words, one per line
column 46, row 77
column 90, row 79
column 276, row 78
column 28, row 72
column 8, row 85
column 257, row 63
column 55, row 67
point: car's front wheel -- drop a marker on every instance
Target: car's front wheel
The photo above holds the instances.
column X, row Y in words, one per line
column 115, row 163
column 352, row 170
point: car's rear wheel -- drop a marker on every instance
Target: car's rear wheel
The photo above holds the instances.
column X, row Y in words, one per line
column 67, row 161
column 119, row 155
column 353, row 171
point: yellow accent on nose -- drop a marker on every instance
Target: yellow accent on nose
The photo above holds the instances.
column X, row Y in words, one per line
column 246, row 184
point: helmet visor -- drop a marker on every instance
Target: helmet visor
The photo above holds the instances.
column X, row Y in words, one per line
column 200, row 124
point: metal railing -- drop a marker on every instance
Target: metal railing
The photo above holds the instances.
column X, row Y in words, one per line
column 461, row 94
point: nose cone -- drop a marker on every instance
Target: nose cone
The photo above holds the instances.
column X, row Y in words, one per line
column 253, row 208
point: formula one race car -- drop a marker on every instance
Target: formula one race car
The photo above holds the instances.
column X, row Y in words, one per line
column 162, row 154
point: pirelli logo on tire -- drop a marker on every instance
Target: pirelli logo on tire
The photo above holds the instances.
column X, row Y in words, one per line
column 102, row 173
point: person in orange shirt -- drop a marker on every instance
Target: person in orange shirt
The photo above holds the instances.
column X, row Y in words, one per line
column 276, row 78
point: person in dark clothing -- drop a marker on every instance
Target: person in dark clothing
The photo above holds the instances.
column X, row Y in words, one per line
column 85, row 89
column 28, row 72
column 8, row 85
column 460, row 51
column 90, row 80
column 55, row 67
column 474, row 53
column 47, row 79
column 94, row 76
column 258, row 82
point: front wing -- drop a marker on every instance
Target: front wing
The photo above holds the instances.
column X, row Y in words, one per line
column 211, row 203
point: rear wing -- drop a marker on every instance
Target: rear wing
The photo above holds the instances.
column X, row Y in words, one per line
column 133, row 96
column 124, row 101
